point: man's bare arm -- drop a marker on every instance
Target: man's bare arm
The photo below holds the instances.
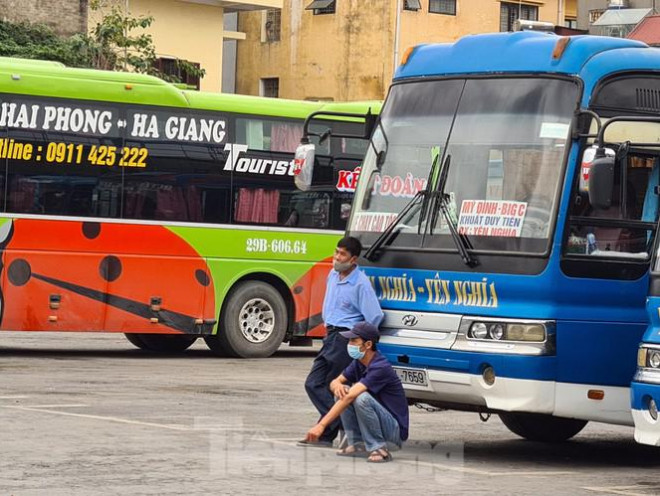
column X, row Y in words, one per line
column 340, row 405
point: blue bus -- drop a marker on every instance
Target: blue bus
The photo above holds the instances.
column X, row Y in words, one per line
column 508, row 203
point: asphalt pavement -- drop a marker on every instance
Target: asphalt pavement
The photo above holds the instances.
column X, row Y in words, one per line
column 90, row 414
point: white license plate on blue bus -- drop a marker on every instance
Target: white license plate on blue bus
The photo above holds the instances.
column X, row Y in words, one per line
column 413, row 377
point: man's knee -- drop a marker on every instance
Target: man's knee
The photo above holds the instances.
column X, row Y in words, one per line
column 364, row 400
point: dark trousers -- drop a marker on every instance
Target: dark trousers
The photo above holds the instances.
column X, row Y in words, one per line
column 328, row 365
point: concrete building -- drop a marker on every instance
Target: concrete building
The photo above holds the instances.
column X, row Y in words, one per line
column 191, row 30
column 612, row 17
column 348, row 49
column 65, row 17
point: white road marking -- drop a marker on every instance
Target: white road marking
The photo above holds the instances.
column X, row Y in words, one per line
column 624, row 490
column 72, row 405
column 13, row 397
column 100, row 417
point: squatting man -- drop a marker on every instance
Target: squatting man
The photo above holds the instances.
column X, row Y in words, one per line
column 370, row 400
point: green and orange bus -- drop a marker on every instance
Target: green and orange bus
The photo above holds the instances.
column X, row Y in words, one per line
column 129, row 205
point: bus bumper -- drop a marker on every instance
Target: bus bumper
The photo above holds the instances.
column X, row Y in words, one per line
column 507, row 394
column 647, row 428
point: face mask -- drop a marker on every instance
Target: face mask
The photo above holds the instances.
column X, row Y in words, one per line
column 354, row 352
column 341, row 267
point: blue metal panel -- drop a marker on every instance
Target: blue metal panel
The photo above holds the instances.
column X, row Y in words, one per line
column 652, row 334
column 597, row 352
column 639, row 390
column 549, row 295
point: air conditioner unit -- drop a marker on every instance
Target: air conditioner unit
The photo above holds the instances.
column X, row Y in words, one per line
column 525, row 25
column 618, row 4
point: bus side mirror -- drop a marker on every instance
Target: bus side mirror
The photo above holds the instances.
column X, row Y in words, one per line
column 601, row 180
column 303, row 166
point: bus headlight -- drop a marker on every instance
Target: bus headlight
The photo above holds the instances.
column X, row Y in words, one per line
column 648, row 357
column 506, row 331
column 648, row 365
column 653, row 359
column 478, row 330
column 496, row 331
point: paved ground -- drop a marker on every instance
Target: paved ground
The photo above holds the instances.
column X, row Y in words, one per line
column 89, row 414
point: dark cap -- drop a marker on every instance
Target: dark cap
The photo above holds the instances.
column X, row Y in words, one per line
column 364, row 330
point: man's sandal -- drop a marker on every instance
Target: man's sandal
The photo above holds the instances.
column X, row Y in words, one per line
column 353, row 451
column 380, row 455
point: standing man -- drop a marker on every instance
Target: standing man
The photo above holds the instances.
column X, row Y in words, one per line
column 374, row 409
column 349, row 299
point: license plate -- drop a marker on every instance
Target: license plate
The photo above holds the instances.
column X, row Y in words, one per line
column 414, row 377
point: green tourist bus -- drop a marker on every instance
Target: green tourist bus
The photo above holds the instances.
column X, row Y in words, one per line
column 130, row 205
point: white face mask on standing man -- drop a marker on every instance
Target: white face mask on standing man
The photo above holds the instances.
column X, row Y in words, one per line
column 343, row 260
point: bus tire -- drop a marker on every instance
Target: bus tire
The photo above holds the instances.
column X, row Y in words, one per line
column 253, row 322
column 162, row 343
column 542, row 428
column 135, row 340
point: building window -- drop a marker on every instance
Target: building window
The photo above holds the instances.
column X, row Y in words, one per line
column 412, row 5
column 510, row 12
column 570, row 23
column 272, row 25
column 322, row 6
column 594, row 15
column 270, row 87
column 171, row 67
column 447, row 7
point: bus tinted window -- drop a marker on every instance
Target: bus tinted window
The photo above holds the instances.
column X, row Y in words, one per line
column 63, row 175
column 182, row 183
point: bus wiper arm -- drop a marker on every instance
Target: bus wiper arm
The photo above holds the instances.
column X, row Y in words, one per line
column 386, row 235
column 461, row 241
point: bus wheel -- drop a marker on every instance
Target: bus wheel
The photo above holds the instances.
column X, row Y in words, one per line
column 162, row 343
column 136, row 341
column 253, row 322
column 543, row 428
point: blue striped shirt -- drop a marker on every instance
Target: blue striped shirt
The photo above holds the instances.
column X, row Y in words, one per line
column 350, row 300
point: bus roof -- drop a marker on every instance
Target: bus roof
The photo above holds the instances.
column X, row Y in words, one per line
column 523, row 51
column 241, row 104
column 53, row 79
column 589, row 57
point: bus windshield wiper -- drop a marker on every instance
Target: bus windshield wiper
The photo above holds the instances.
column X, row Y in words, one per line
column 387, row 234
column 442, row 204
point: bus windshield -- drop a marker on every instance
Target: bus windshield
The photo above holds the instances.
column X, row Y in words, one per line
column 506, row 138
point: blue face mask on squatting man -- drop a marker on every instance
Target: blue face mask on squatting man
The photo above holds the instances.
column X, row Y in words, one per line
column 354, row 352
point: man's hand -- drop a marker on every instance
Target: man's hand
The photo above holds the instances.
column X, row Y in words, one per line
column 314, row 433
column 339, row 390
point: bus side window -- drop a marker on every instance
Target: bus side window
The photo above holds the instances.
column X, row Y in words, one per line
column 268, row 134
column 597, row 232
column 180, row 182
column 256, row 206
column 59, row 184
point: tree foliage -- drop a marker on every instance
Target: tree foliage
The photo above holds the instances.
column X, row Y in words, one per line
column 118, row 42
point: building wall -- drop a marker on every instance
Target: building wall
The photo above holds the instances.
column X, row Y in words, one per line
column 350, row 55
column 188, row 31
column 66, row 17
column 335, row 56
